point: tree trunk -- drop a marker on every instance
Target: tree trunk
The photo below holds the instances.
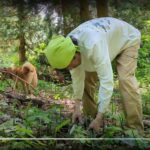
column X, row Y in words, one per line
column 144, row 3
column 66, row 15
column 84, row 10
column 117, row 3
column 22, row 50
column 102, row 8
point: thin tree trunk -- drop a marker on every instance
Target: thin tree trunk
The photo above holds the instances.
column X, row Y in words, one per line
column 102, row 8
column 66, row 13
column 117, row 3
column 22, row 50
column 84, row 10
column 144, row 3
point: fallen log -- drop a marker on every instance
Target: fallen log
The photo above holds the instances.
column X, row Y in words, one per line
column 23, row 98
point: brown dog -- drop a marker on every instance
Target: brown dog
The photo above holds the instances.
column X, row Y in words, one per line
column 27, row 76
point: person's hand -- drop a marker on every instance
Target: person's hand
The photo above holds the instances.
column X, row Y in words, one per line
column 77, row 116
column 96, row 123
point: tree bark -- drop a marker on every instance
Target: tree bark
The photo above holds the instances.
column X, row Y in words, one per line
column 117, row 3
column 84, row 10
column 22, row 50
column 144, row 3
column 102, row 8
column 24, row 99
column 65, row 11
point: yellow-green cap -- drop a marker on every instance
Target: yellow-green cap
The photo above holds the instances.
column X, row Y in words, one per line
column 60, row 51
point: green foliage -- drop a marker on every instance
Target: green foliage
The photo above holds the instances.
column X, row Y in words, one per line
column 144, row 53
column 146, row 103
column 22, row 131
column 7, row 128
column 111, row 131
column 61, row 125
column 58, row 92
column 35, row 117
column 34, row 56
column 3, row 85
column 140, row 19
column 78, row 131
column 19, row 145
column 9, row 59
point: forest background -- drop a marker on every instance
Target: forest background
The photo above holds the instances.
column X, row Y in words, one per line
column 26, row 26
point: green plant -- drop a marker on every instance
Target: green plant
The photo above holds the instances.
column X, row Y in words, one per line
column 112, row 131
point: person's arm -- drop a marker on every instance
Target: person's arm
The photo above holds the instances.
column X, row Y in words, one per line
column 100, row 57
column 78, row 77
column 103, row 67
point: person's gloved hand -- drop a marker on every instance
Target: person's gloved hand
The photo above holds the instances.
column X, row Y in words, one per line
column 77, row 116
column 96, row 123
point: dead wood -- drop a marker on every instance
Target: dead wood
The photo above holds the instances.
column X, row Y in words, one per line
column 17, row 77
column 24, row 99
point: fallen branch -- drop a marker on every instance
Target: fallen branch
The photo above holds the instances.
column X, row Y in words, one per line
column 24, row 98
column 17, row 77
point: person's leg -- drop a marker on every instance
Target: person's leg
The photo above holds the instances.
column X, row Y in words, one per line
column 89, row 101
column 126, row 66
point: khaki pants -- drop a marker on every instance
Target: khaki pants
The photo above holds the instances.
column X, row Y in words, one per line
column 126, row 66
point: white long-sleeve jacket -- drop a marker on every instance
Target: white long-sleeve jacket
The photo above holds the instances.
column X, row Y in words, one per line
column 100, row 41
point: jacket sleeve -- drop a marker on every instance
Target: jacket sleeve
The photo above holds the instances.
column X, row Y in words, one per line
column 78, row 77
column 102, row 64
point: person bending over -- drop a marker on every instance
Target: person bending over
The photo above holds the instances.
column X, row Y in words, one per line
column 87, row 52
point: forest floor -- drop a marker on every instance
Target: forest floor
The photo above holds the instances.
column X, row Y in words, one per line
column 48, row 115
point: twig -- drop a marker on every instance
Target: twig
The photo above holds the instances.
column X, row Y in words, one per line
column 17, row 77
column 23, row 98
